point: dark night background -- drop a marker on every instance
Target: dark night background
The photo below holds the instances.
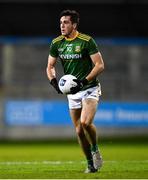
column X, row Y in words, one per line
column 40, row 18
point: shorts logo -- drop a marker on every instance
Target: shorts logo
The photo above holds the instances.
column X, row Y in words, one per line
column 77, row 49
column 88, row 93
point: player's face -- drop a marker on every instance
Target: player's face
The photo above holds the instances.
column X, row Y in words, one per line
column 66, row 26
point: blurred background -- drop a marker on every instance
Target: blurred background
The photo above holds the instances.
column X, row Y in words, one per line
column 31, row 109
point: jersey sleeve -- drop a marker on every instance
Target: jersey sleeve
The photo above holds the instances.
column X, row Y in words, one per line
column 53, row 51
column 92, row 47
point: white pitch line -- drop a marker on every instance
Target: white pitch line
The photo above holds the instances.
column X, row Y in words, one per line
column 59, row 162
column 35, row 162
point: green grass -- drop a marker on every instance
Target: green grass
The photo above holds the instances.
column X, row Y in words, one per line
column 65, row 160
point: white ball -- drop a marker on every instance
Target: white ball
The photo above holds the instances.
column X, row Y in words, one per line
column 66, row 82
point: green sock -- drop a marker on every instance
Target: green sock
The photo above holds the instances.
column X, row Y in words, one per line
column 94, row 148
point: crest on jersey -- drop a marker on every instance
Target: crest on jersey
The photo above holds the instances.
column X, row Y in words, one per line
column 77, row 49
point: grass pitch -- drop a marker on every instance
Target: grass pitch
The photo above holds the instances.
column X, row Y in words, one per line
column 65, row 160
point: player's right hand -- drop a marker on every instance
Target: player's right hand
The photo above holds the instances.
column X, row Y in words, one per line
column 54, row 83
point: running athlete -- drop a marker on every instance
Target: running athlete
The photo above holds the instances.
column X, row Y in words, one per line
column 80, row 57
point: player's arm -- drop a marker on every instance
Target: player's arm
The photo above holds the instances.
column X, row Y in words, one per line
column 51, row 73
column 97, row 69
column 98, row 66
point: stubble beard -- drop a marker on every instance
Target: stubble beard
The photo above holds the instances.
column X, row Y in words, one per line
column 67, row 35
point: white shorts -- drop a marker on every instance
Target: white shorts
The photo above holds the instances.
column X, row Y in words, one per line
column 75, row 100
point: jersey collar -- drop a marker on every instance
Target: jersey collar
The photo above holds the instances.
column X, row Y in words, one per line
column 70, row 39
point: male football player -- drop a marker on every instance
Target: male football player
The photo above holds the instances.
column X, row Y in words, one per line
column 80, row 57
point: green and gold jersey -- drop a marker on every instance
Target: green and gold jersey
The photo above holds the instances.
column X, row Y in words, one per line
column 75, row 55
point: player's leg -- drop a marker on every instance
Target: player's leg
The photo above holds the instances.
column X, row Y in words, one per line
column 87, row 116
column 86, row 147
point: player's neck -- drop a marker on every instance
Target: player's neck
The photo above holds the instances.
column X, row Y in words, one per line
column 72, row 36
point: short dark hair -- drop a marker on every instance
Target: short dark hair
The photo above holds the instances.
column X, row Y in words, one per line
column 74, row 15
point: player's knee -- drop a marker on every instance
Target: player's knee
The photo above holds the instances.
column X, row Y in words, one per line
column 79, row 131
column 85, row 124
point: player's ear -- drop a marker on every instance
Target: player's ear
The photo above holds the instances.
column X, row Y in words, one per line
column 75, row 25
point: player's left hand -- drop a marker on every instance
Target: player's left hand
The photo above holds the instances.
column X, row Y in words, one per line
column 80, row 85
